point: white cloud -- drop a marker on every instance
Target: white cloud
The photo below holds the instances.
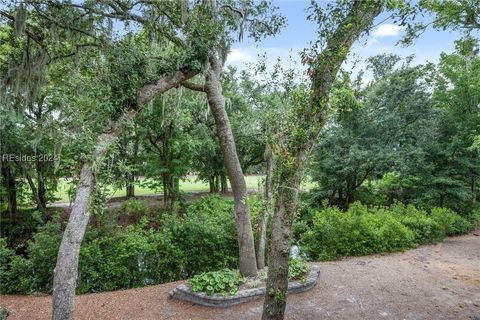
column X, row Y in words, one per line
column 371, row 42
column 239, row 55
column 245, row 58
column 387, row 30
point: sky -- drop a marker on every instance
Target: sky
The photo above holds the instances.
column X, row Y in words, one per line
column 382, row 39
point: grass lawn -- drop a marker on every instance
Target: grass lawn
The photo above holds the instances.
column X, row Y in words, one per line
column 186, row 185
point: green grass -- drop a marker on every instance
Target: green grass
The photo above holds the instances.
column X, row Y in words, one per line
column 186, row 185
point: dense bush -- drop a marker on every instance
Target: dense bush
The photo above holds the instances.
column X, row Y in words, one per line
column 171, row 246
column 452, row 223
column 42, row 253
column 354, row 232
column 361, row 230
column 131, row 258
column 135, row 209
column 425, row 228
column 15, row 271
column 16, row 230
column 206, row 234
column 203, row 239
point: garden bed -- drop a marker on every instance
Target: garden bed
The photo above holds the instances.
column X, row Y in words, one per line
column 184, row 292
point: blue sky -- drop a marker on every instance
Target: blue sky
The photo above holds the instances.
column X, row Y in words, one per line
column 382, row 39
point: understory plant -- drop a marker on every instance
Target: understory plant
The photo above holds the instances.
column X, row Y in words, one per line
column 297, row 269
column 362, row 230
column 223, row 282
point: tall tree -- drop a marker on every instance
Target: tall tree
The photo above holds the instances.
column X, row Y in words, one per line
column 179, row 58
column 310, row 107
column 375, row 130
column 234, row 19
column 455, row 164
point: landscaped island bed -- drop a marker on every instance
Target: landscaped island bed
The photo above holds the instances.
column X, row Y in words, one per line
column 184, row 292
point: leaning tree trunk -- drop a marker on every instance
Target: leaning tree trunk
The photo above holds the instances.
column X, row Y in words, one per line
column 66, row 269
column 290, row 157
column 216, row 101
column 267, row 198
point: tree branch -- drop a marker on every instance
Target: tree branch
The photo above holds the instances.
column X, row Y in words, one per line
column 149, row 91
column 194, row 86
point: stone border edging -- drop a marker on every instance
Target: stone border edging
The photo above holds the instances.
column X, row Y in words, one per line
column 184, row 292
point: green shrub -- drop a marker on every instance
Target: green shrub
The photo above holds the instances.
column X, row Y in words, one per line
column 452, row 223
column 223, row 282
column 206, row 234
column 204, row 239
column 135, row 208
column 129, row 258
column 33, row 272
column 15, row 271
column 42, row 253
column 20, row 229
column 356, row 232
column 474, row 218
column 425, row 228
column 362, row 231
column 297, row 269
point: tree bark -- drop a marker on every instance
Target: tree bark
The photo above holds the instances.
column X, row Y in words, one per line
column 130, row 184
column 286, row 204
column 217, row 183
column 474, row 191
column 267, row 198
column 223, row 183
column 211, row 183
column 66, row 269
column 41, row 185
column 216, row 101
column 35, row 191
column 290, row 157
column 10, row 185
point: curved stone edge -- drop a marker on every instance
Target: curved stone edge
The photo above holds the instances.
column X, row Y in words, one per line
column 184, row 292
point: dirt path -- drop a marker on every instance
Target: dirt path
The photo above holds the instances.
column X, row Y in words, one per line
column 431, row 282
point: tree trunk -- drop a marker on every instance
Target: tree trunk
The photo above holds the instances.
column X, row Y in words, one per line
column 33, row 188
column 211, row 183
column 349, row 196
column 216, row 101
column 474, row 191
column 165, row 190
column 130, row 184
column 285, row 208
column 223, row 183
column 267, row 198
column 290, row 157
column 11, row 188
column 66, row 270
column 41, row 189
column 217, row 184
column 172, row 193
